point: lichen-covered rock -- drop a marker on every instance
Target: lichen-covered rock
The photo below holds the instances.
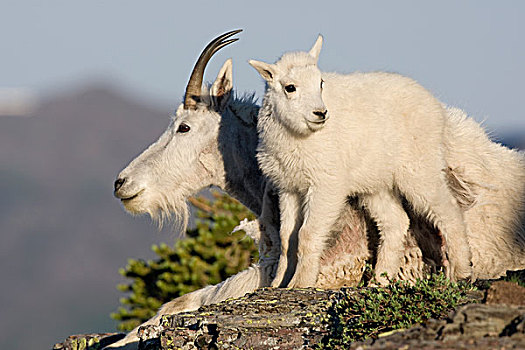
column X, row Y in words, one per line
column 478, row 320
column 94, row 341
column 266, row 319
column 274, row 318
column 473, row 326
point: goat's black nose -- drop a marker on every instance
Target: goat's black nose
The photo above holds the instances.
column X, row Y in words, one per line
column 118, row 183
column 321, row 114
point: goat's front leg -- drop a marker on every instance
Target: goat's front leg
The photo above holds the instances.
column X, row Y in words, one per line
column 290, row 213
column 322, row 208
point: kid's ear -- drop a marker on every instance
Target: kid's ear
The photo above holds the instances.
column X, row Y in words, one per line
column 266, row 70
column 316, row 49
column 222, row 86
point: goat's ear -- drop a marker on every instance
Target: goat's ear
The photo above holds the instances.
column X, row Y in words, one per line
column 266, row 70
column 316, row 49
column 222, row 87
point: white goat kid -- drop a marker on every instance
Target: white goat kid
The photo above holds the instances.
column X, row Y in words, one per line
column 324, row 137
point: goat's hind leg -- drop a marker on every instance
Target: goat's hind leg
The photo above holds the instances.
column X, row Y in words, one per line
column 392, row 221
column 430, row 196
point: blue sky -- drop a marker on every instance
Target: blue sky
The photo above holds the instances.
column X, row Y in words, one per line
column 471, row 54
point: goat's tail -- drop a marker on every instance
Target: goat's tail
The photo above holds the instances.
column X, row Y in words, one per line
column 488, row 181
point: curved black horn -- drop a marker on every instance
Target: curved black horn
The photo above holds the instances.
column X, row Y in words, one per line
column 193, row 89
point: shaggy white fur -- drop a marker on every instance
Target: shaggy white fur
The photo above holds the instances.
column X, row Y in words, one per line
column 380, row 136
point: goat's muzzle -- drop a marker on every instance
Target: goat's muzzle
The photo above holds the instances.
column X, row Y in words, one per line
column 125, row 193
column 118, row 183
column 321, row 116
column 316, row 120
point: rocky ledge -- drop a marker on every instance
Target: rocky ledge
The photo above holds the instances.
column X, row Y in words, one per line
column 296, row 319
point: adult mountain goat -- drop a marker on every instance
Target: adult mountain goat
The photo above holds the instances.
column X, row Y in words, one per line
column 213, row 142
column 379, row 136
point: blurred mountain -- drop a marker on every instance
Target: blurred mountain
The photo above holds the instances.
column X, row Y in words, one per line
column 63, row 236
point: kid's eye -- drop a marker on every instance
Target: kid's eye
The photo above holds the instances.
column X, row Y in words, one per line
column 290, row 88
column 183, row 128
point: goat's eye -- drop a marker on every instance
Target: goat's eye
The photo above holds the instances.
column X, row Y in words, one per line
column 183, row 128
column 290, row 88
column 322, row 84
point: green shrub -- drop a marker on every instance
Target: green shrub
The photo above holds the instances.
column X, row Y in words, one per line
column 362, row 313
column 208, row 254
